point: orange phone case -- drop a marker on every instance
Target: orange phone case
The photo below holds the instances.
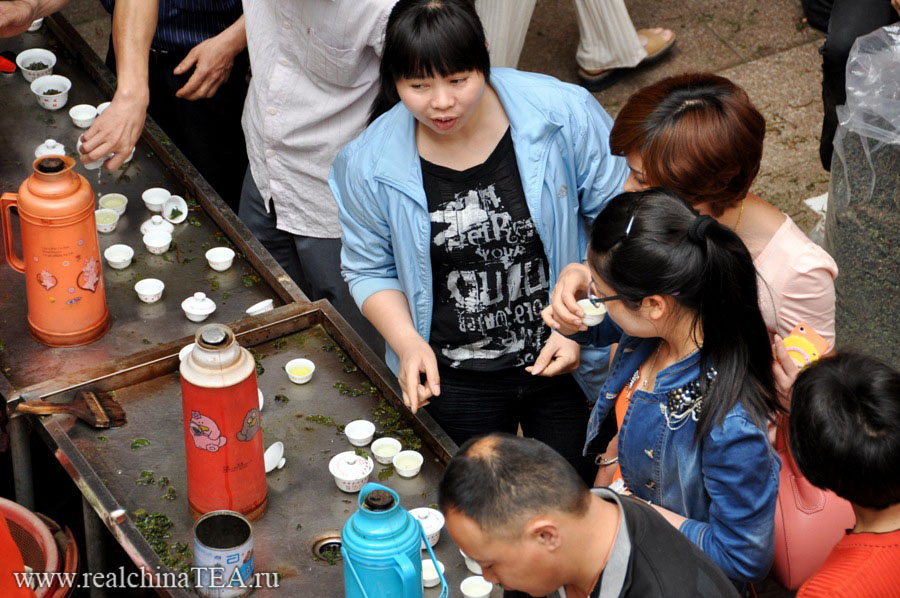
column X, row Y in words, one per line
column 805, row 345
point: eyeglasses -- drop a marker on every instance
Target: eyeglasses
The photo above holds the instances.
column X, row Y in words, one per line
column 598, row 301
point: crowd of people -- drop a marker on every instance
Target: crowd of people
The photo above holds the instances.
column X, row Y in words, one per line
column 458, row 214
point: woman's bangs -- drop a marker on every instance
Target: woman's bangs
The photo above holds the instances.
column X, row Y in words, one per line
column 437, row 51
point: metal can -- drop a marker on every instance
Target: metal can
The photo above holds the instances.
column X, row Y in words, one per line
column 223, row 555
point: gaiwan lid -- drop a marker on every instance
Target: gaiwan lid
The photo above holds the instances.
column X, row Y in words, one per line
column 348, row 465
column 50, row 147
column 199, row 303
column 432, row 520
column 156, row 224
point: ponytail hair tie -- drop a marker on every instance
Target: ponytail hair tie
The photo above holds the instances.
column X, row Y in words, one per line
column 697, row 228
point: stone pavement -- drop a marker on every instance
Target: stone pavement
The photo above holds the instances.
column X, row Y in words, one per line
column 763, row 45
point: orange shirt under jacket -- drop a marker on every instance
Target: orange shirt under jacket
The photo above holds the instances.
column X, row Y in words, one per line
column 860, row 566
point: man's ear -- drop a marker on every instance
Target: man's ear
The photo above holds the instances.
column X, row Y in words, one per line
column 544, row 531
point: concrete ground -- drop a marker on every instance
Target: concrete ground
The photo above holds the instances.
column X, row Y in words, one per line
column 763, row 45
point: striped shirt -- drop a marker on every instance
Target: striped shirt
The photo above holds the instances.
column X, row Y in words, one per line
column 182, row 24
column 315, row 73
column 864, row 565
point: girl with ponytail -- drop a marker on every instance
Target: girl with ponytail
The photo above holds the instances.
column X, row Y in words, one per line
column 691, row 381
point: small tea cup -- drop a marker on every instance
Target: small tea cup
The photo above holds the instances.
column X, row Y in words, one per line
column 360, row 432
column 430, row 577
column 471, row 564
column 90, row 165
column 155, row 197
column 274, row 456
column 158, row 242
column 300, row 371
column 118, row 256
column 476, row 587
column 385, row 448
column 407, row 463
column 106, row 220
column 35, row 25
column 114, row 201
column 260, row 308
column 175, row 209
column 220, row 258
column 593, row 314
column 149, row 290
column 102, row 107
column 41, row 85
column 28, row 57
column 83, row 115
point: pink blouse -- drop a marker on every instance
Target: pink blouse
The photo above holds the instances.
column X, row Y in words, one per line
column 797, row 283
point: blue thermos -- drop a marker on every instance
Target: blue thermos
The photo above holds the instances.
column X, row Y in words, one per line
column 380, row 545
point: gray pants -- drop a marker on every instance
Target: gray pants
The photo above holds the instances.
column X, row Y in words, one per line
column 313, row 263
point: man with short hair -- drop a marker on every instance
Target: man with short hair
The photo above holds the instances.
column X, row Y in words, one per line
column 523, row 513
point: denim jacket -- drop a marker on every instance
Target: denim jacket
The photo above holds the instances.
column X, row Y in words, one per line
column 561, row 139
column 726, row 484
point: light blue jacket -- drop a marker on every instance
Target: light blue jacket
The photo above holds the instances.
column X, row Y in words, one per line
column 561, row 139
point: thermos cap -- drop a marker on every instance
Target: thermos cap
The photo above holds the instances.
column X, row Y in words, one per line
column 213, row 335
column 379, row 500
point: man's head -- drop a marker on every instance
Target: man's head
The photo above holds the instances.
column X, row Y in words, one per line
column 513, row 504
column 845, row 428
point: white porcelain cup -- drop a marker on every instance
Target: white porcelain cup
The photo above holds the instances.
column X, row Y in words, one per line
column 155, row 197
column 407, row 463
column 26, row 58
column 41, row 85
column 220, row 258
column 593, row 315
column 476, row 587
column 149, row 290
column 113, row 201
column 118, row 256
column 157, row 243
column 83, row 115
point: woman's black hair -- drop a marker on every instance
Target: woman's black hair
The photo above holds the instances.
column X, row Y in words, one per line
column 669, row 249
column 429, row 38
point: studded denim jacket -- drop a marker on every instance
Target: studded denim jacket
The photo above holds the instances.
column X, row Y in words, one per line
column 725, row 484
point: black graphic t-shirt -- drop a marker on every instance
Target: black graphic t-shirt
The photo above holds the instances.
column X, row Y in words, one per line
column 488, row 263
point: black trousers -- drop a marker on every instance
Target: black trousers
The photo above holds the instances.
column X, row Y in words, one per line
column 843, row 21
column 207, row 131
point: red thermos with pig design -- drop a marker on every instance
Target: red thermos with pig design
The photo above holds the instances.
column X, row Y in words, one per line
column 222, row 426
column 60, row 254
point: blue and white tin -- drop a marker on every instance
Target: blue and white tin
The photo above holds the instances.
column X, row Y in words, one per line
column 223, row 555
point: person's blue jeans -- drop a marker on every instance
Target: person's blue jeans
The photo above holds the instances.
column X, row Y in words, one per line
column 313, row 263
column 552, row 410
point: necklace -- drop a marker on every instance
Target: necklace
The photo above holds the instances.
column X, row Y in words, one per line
column 740, row 215
column 646, row 381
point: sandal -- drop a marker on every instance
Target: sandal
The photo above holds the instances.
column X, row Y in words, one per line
column 656, row 47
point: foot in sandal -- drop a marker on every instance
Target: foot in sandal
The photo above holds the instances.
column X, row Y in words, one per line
column 657, row 42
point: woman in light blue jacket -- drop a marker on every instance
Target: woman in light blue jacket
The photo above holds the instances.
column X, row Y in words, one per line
column 460, row 204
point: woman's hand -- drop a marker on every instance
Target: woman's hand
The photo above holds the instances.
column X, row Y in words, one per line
column 417, row 358
column 559, row 356
column 564, row 314
column 784, row 370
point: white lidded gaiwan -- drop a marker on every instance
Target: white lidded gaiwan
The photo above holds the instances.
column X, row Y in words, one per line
column 41, row 85
column 156, row 224
column 198, row 306
column 350, row 471
column 50, row 147
column 432, row 522
column 26, row 58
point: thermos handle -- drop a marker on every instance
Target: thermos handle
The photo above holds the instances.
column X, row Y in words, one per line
column 445, row 587
column 349, row 563
column 412, row 584
column 7, row 201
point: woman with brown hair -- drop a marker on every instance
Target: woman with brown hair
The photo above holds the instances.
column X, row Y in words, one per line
column 699, row 135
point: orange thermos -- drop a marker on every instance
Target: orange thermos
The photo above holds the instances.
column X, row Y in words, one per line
column 222, row 427
column 60, row 254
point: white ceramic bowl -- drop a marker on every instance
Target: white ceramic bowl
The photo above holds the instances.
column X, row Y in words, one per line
column 296, row 377
column 102, row 107
column 149, row 290
column 260, row 308
column 592, row 315
column 118, row 256
column 28, row 57
column 220, row 258
column 155, row 197
column 350, row 472
column 476, row 587
column 106, row 220
column 274, row 456
column 432, row 522
column 157, row 243
column 41, row 85
column 90, row 165
column 83, row 115
column 385, row 448
column 360, row 432
column 407, row 463
column 177, row 206
column 430, row 577
column 114, row 201
column 471, row 564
